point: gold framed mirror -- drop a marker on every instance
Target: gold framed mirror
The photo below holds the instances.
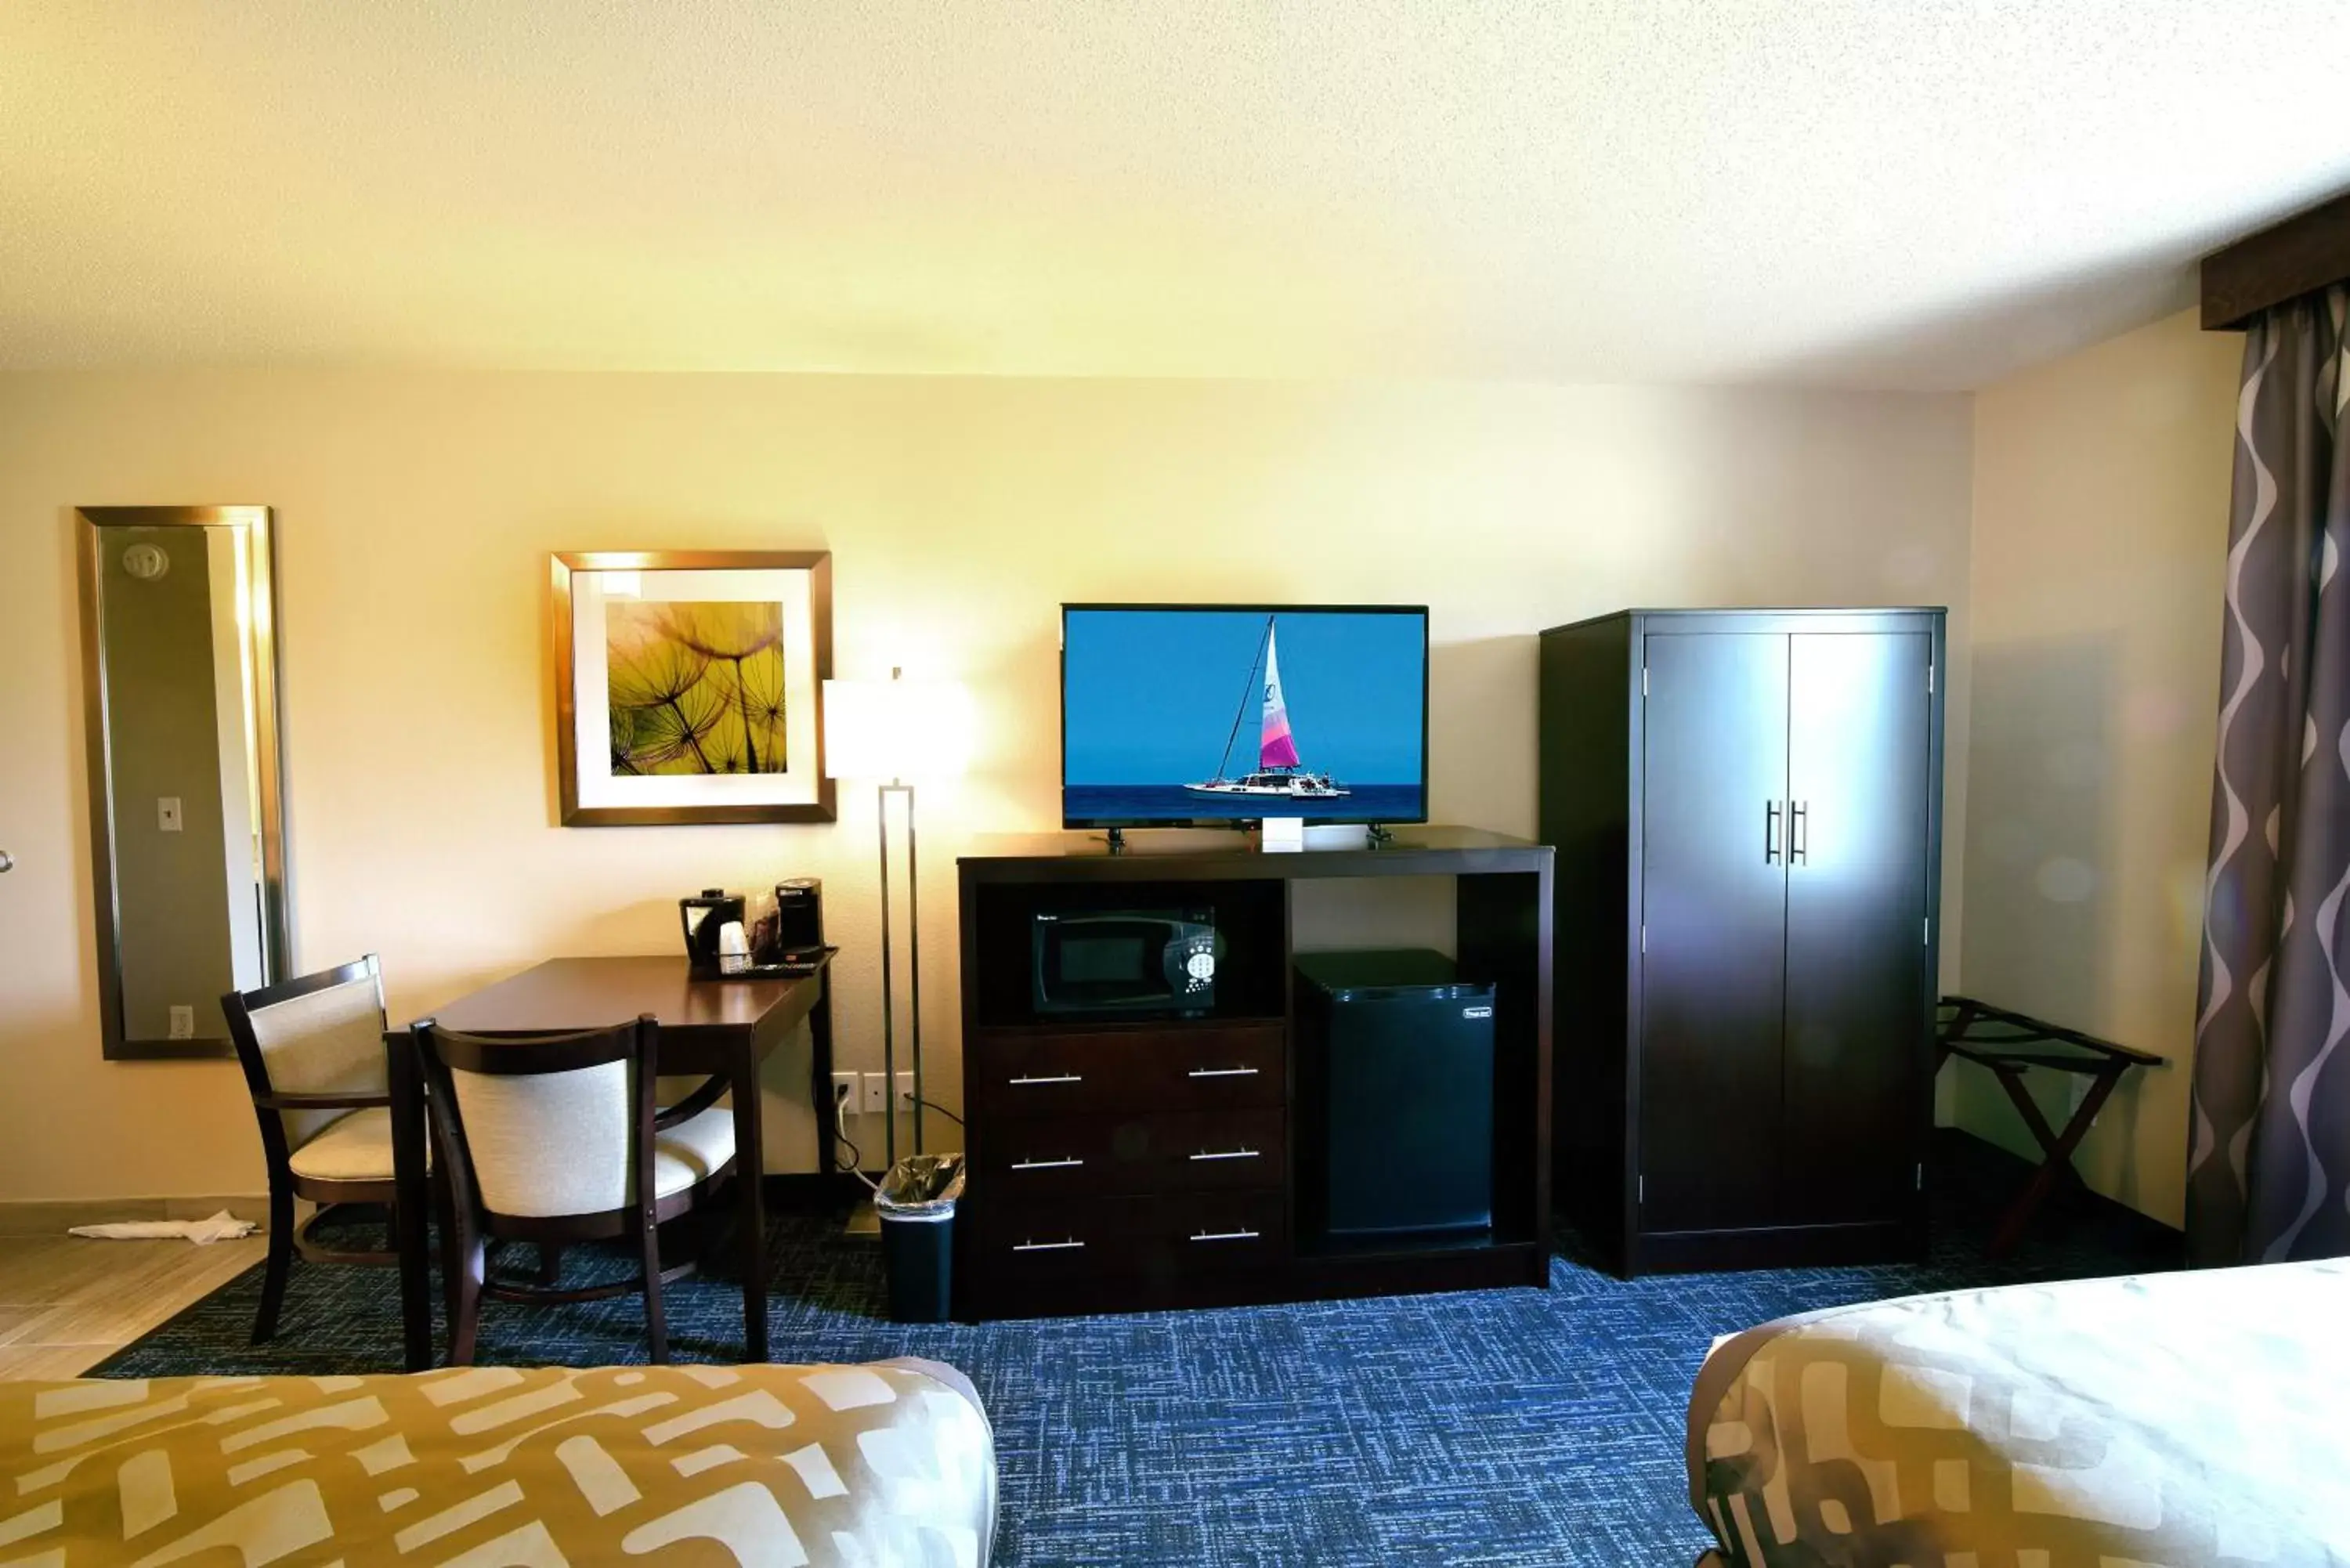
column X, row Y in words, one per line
column 179, row 676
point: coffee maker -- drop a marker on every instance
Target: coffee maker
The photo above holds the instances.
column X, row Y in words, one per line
column 799, row 921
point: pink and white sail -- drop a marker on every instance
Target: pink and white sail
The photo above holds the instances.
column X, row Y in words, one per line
column 1275, row 748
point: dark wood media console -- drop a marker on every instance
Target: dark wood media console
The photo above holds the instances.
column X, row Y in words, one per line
column 1119, row 1165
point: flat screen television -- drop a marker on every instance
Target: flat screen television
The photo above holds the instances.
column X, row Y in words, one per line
column 1182, row 715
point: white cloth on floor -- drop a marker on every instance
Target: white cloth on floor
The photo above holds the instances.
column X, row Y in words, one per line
column 222, row 1227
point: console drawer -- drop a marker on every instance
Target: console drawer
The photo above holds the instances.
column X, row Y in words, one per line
column 1194, row 1067
column 1179, row 1151
column 1148, row 1239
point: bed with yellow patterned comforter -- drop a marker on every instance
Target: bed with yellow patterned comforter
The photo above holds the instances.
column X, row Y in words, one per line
column 2172, row 1419
column 498, row 1467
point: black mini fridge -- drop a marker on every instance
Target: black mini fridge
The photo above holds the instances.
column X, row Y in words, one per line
column 1396, row 1065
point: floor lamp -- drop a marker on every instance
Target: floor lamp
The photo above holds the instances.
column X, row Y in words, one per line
column 893, row 732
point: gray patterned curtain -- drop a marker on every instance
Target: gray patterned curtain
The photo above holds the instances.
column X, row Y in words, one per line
column 2268, row 1175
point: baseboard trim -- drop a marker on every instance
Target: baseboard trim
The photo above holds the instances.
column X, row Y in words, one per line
column 54, row 1217
column 1778, row 1247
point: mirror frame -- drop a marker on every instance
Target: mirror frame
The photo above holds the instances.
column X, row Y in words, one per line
column 261, row 587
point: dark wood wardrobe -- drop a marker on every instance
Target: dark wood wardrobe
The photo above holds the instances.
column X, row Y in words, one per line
column 1746, row 806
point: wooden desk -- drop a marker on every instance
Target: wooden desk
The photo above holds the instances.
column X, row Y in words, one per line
column 719, row 1027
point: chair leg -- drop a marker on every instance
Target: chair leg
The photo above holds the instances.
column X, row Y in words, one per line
column 452, row 1258
column 709, row 1234
column 656, row 1323
column 465, row 1302
column 281, row 1263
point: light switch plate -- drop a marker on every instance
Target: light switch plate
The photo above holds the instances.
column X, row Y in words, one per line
column 167, row 814
column 905, row 1093
column 846, row 1093
column 877, row 1094
column 183, row 1022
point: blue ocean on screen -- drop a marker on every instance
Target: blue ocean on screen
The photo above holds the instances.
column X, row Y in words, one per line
column 1181, row 715
column 1173, row 802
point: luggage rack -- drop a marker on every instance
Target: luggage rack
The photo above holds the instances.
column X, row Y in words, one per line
column 2023, row 1041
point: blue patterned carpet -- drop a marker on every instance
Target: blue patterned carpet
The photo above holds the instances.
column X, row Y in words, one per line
column 1514, row 1426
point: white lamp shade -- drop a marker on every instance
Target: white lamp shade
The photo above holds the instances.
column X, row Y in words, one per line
column 896, row 729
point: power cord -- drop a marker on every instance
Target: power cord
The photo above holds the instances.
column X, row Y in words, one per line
column 856, row 1155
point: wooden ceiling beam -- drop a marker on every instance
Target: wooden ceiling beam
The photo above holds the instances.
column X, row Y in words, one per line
column 2300, row 256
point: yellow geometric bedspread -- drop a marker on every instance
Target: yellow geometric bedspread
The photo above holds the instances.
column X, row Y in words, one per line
column 497, row 1467
column 2196, row 1420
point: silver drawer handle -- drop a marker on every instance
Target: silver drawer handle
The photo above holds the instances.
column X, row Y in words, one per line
column 1224, row 1236
column 1223, row 1072
column 1048, row 1246
column 1226, row 1153
column 1053, row 1078
column 1044, row 1164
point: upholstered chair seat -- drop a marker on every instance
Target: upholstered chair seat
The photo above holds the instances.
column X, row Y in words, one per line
column 694, row 1150
column 355, row 1147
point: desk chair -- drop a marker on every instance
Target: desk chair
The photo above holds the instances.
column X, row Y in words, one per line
column 560, row 1138
column 313, row 1054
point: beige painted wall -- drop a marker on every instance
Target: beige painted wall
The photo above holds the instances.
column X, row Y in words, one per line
column 2100, row 537
column 416, row 511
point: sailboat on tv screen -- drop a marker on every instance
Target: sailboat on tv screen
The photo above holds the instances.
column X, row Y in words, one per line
column 1278, row 774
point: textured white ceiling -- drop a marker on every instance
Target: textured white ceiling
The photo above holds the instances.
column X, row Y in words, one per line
column 1869, row 193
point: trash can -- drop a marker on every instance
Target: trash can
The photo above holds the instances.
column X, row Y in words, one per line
column 917, row 1205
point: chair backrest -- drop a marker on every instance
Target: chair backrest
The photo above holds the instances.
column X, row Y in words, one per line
column 320, row 1034
column 543, row 1125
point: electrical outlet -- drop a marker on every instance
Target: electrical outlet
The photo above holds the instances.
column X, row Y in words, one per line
column 183, row 1023
column 167, row 814
column 845, row 1093
column 905, row 1093
column 877, row 1094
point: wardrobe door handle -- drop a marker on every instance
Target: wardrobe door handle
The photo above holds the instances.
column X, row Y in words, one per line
column 1224, row 1235
column 1052, row 1078
column 1770, row 833
column 1044, row 1164
column 1224, row 1154
column 1223, row 1072
column 1069, row 1246
column 1799, row 832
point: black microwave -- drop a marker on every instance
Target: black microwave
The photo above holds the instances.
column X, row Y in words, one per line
column 1124, row 961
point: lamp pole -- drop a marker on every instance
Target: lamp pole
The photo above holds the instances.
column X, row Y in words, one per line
column 913, row 971
column 914, row 967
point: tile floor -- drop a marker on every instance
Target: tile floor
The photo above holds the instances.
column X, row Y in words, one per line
column 68, row 1303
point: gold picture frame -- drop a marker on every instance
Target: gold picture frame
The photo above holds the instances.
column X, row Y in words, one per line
column 706, row 669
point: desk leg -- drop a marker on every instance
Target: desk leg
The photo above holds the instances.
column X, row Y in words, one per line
column 410, row 1204
column 827, row 1114
column 751, row 1211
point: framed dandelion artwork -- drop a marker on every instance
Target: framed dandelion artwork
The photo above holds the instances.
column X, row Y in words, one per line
column 689, row 686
